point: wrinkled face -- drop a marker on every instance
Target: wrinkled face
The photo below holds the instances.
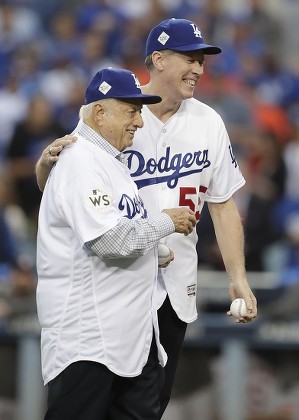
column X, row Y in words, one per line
column 119, row 122
column 182, row 71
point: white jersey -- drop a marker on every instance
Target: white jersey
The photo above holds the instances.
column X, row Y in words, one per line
column 91, row 308
column 184, row 162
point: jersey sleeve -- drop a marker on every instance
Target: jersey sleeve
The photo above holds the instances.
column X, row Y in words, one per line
column 226, row 177
column 88, row 205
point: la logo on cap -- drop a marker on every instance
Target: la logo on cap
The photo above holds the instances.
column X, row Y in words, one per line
column 137, row 83
column 196, row 30
column 104, row 88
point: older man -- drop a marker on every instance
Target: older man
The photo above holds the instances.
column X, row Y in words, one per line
column 97, row 267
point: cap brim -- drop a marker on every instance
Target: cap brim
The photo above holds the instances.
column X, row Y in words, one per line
column 206, row 48
column 145, row 99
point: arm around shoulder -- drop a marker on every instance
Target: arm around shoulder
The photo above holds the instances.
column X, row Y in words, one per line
column 49, row 156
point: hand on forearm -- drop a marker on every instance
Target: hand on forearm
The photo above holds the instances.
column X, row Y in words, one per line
column 183, row 219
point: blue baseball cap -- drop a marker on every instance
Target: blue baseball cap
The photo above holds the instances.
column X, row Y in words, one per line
column 178, row 35
column 118, row 84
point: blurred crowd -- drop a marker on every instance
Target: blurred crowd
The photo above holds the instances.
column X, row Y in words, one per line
column 50, row 49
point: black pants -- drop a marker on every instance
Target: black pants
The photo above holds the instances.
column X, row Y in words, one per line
column 89, row 391
column 172, row 334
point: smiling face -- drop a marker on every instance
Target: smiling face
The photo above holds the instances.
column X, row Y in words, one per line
column 181, row 72
column 118, row 120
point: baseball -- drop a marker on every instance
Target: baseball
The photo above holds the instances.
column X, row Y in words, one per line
column 238, row 307
column 163, row 254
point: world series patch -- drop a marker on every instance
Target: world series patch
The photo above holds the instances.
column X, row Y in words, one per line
column 99, row 200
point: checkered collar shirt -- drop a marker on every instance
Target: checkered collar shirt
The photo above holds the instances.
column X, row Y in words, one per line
column 128, row 237
column 90, row 135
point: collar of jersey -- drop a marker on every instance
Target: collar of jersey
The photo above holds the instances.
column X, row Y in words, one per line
column 90, row 135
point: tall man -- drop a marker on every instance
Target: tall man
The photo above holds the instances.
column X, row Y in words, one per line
column 97, row 267
column 183, row 157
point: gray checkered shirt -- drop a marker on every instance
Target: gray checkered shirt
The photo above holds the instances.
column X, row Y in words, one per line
column 129, row 237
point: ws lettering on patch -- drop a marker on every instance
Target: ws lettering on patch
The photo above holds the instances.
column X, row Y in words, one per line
column 130, row 207
column 99, row 200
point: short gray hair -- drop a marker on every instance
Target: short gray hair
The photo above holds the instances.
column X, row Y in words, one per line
column 85, row 111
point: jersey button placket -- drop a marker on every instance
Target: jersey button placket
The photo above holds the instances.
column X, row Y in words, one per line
column 163, row 132
column 163, row 186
